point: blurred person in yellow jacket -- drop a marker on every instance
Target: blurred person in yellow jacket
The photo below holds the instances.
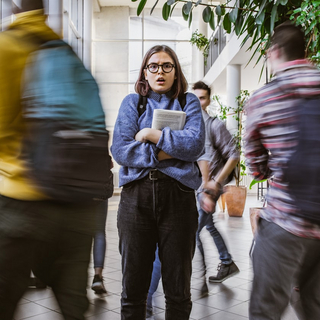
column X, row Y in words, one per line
column 52, row 239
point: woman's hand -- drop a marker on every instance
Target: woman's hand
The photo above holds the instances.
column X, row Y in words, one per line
column 142, row 135
column 153, row 136
column 148, row 134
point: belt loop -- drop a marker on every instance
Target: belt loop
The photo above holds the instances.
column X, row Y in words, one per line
column 152, row 174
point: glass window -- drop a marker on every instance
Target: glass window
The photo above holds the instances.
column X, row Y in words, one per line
column 157, row 28
column 111, row 61
column 73, row 24
column 135, row 59
column 5, row 14
column 112, row 95
column 136, row 26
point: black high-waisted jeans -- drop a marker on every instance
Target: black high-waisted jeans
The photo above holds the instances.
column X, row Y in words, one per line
column 150, row 212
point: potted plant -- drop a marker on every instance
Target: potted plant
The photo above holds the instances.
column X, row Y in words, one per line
column 202, row 43
column 235, row 195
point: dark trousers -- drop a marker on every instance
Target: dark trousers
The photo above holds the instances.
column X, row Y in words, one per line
column 281, row 261
column 151, row 212
column 54, row 241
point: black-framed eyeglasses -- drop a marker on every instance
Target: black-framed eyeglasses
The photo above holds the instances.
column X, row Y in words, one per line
column 166, row 67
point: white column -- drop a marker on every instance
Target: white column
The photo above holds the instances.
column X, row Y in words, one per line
column 233, row 90
column 87, row 34
column 197, row 55
column 6, row 14
column 54, row 11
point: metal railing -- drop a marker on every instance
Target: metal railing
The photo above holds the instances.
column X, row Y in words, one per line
column 217, row 42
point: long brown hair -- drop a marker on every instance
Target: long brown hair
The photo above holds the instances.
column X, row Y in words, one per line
column 180, row 84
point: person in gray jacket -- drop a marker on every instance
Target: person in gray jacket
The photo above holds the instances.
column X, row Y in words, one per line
column 220, row 158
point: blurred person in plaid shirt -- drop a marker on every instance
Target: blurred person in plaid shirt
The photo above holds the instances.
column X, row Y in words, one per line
column 286, row 251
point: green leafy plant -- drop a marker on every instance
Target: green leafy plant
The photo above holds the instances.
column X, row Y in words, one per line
column 202, row 43
column 237, row 113
column 223, row 110
column 308, row 16
column 254, row 182
column 254, row 19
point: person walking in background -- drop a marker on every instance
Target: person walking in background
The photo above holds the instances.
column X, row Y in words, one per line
column 51, row 238
column 159, row 175
column 220, row 158
column 99, row 248
column 286, row 251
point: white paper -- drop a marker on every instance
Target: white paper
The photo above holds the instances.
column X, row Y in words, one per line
column 173, row 119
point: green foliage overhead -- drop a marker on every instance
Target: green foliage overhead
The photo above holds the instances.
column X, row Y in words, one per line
column 166, row 11
column 206, row 14
column 256, row 19
column 227, row 23
column 141, row 6
column 307, row 15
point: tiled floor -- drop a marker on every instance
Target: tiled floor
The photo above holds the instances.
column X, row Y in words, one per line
column 226, row 301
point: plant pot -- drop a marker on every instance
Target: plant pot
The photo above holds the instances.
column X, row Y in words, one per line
column 222, row 203
column 235, row 200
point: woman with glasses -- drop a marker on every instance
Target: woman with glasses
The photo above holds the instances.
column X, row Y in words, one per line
column 159, row 175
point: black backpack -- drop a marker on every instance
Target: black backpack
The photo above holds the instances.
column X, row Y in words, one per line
column 66, row 146
column 303, row 168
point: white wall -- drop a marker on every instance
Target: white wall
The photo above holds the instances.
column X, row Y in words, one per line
column 111, row 58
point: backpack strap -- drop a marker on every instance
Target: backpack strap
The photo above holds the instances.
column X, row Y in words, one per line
column 54, row 44
column 183, row 100
column 142, row 104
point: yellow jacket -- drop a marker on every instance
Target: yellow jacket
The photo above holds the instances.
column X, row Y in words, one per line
column 22, row 37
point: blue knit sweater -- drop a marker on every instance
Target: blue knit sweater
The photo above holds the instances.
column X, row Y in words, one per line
column 137, row 158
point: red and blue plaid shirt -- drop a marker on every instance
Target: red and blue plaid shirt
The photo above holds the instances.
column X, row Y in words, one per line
column 271, row 134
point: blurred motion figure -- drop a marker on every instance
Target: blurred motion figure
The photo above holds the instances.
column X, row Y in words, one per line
column 52, row 238
column 287, row 245
column 216, row 165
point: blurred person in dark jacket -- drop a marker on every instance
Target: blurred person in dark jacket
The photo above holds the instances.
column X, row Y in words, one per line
column 52, row 239
column 287, row 246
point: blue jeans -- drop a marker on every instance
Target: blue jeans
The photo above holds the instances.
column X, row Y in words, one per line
column 281, row 261
column 99, row 244
column 206, row 220
column 150, row 212
column 53, row 240
column 156, row 275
